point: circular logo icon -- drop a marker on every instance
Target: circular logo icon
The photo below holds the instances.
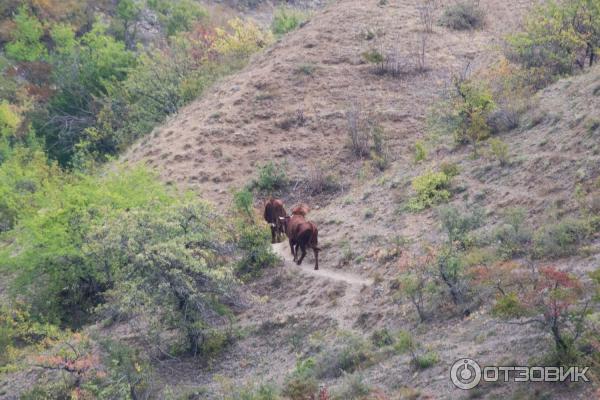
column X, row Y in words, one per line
column 465, row 374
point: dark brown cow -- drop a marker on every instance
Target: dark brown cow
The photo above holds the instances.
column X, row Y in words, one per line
column 302, row 234
column 274, row 210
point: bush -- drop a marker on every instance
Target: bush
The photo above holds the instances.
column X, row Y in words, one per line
column 271, row 177
column 24, row 178
column 25, row 44
column 499, row 150
column 348, row 354
column 463, row 15
column 59, row 279
column 321, row 180
column 427, row 360
column 286, row 20
column 260, row 392
column 254, row 242
column 512, row 236
column 458, row 224
column 465, row 112
column 554, row 301
column 420, row 359
column 382, row 338
column 503, row 119
column 431, row 188
column 404, row 343
column 243, row 202
column 559, row 38
column 420, row 152
column 352, row 388
column 241, row 39
column 560, row 239
column 301, row 383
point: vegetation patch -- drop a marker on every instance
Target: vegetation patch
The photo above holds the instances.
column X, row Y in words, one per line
column 463, row 15
column 287, row 19
column 431, row 188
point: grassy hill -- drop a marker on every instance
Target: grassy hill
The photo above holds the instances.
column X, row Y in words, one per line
column 455, row 182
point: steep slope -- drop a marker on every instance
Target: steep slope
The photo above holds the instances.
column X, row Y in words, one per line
column 289, row 104
column 300, row 311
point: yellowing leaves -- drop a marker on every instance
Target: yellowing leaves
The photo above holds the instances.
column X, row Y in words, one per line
column 9, row 119
column 242, row 38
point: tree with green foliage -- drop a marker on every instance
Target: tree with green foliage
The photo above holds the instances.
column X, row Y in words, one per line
column 83, row 69
column 128, row 14
column 560, row 37
column 53, row 273
column 26, row 44
column 472, row 105
column 24, row 177
column 169, row 264
column 177, row 15
column 286, row 20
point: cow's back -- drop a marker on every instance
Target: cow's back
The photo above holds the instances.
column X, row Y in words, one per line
column 307, row 234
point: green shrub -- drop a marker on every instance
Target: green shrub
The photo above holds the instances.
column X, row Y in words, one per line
column 301, row 383
column 465, row 112
column 458, row 224
column 346, row 356
column 420, row 152
column 431, row 188
column 243, row 202
column 559, row 38
column 450, row 169
column 271, row 177
column 560, row 239
column 464, row 15
column 512, row 236
column 382, row 338
column 286, row 20
column 177, row 15
column 24, row 178
column 26, row 44
column 254, row 243
column 404, row 343
column 373, row 56
column 60, row 280
column 260, row 392
column 379, row 150
column 427, row 360
column 129, row 372
column 353, row 387
column 499, row 150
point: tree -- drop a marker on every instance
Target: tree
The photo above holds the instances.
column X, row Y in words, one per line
column 128, row 13
column 25, row 44
column 84, row 68
column 177, row 15
column 559, row 38
column 555, row 301
column 472, row 106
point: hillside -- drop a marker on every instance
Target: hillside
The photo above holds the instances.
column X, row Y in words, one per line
column 303, row 311
column 316, row 73
column 289, row 105
column 463, row 220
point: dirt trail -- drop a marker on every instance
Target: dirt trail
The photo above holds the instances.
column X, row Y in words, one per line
column 307, row 267
column 348, row 305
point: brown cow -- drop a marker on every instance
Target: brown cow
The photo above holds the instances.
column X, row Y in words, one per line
column 301, row 234
column 274, row 210
column 300, row 209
